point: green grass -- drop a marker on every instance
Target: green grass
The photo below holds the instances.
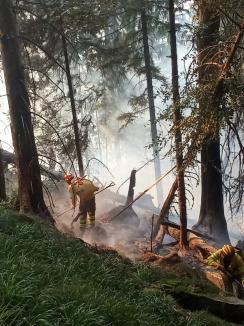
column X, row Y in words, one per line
column 48, row 279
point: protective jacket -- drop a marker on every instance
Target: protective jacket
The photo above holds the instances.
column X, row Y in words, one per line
column 234, row 265
column 83, row 189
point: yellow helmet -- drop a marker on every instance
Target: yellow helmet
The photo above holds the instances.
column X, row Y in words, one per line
column 228, row 250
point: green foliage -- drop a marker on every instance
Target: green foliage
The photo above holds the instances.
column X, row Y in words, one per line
column 48, row 279
column 11, row 202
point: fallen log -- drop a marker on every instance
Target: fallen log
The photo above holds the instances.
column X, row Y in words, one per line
column 228, row 308
column 127, row 217
column 176, row 226
column 172, row 229
column 195, row 242
column 201, row 250
column 9, row 158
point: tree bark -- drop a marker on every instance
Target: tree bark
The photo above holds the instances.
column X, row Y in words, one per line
column 2, row 179
column 178, row 137
column 165, row 210
column 152, row 113
column 9, row 158
column 212, row 219
column 29, row 180
column 132, row 184
column 73, row 107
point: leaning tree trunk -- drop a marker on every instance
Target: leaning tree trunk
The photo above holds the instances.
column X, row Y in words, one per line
column 157, row 230
column 212, row 219
column 178, row 137
column 29, row 180
column 2, row 179
column 73, row 107
column 152, row 113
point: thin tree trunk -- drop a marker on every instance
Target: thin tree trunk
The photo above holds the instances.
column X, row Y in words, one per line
column 150, row 92
column 73, row 108
column 178, row 137
column 212, row 219
column 29, row 180
column 2, row 179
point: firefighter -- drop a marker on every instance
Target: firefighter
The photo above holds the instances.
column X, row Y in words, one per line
column 231, row 260
column 83, row 189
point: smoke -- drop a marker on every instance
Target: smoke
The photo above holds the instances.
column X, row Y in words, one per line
column 127, row 239
column 122, row 151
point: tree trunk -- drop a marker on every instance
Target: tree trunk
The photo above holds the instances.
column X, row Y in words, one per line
column 178, row 137
column 73, row 108
column 130, row 195
column 2, row 179
column 29, row 180
column 150, row 92
column 212, row 218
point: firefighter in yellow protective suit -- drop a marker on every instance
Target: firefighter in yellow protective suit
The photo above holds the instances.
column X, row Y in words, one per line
column 83, row 189
column 231, row 260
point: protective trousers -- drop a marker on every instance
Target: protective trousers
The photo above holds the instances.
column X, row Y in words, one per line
column 87, row 213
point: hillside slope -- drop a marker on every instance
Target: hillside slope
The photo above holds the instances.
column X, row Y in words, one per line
column 49, row 279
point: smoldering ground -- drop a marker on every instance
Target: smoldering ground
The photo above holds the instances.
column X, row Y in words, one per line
column 123, row 237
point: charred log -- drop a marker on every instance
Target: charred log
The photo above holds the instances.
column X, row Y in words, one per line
column 128, row 216
column 130, row 195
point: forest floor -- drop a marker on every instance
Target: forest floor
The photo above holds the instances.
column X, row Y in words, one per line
column 49, row 278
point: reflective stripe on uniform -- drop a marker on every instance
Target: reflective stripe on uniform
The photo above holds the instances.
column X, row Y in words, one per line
column 90, row 222
column 215, row 258
column 83, row 222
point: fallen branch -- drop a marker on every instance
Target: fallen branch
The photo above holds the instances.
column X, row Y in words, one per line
column 176, row 226
column 112, row 184
column 145, row 191
column 9, row 158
